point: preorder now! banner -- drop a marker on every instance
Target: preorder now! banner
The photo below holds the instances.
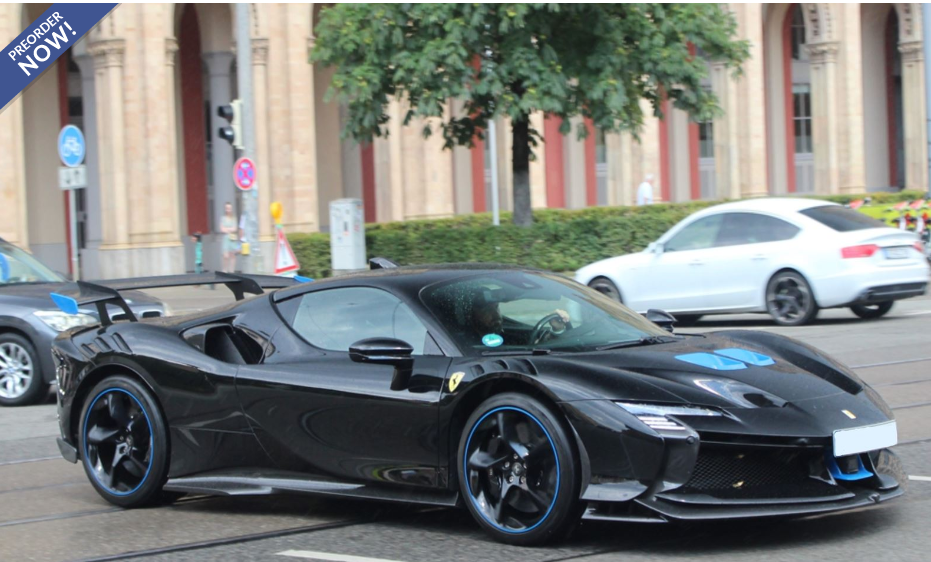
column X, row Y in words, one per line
column 42, row 42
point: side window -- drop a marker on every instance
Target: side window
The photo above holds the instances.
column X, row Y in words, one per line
column 752, row 228
column 337, row 318
column 699, row 235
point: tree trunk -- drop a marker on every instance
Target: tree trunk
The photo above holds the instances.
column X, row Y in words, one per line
column 521, row 163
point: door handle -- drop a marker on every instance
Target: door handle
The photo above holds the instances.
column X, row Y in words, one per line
column 696, row 262
column 759, row 257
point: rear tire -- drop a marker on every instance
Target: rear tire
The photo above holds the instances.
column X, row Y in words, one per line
column 869, row 311
column 123, row 443
column 606, row 287
column 518, row 473
column 21, row 381
column 790, row 300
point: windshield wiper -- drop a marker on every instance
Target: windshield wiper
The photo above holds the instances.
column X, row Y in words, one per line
column 646, row 340
column 534, row 351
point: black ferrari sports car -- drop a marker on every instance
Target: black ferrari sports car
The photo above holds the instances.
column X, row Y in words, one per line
column 529, row 399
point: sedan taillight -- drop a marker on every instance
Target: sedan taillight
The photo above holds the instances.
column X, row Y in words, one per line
column 861, row 251
column 920, row 247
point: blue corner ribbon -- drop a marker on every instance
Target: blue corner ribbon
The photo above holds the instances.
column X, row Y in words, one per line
column 43, row 41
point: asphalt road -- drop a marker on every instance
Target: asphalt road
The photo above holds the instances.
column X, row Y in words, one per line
column 48, row 511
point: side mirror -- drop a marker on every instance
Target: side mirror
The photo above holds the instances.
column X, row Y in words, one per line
column 661, row 318
column 658, row 248
column 389, row 351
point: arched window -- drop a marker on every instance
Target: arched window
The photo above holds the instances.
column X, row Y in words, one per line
column 797, row 34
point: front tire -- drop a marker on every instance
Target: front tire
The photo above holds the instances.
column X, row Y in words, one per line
column 21, row 382
column 518, row 472
column 123, row 441
column 606, row 287
column 790, row 300
column 869, row 311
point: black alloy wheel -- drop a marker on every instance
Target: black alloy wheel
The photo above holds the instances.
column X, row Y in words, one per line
column 790, row 300
column 606, row 287
column 869, row 311
column 123, row 443
column 517, row 471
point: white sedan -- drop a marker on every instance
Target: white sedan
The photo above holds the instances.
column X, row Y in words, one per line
column 787, row 257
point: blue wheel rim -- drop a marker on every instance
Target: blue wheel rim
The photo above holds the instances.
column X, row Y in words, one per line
column 540, row 467
column 113, row 437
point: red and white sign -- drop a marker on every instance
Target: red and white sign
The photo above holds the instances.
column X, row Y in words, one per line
column 244, row 174
column 285, row 260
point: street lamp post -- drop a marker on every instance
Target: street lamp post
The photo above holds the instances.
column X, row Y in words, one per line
column 244, row 83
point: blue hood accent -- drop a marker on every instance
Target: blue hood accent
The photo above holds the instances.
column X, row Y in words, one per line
column 712, row 361
column 747, row 356
column 66, row 304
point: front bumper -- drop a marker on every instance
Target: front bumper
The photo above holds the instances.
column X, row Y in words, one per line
column 757, row 490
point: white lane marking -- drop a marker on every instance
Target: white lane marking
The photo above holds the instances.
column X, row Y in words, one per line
column 919, row 478
column 917, row 313
column 330, row 556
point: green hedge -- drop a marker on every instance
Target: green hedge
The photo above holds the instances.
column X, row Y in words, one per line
column 559, row 240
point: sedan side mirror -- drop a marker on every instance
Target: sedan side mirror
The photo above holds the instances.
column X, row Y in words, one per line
column 655, row 247
column 389, row 351
column 661, row 318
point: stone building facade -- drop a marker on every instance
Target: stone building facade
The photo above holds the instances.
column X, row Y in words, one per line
column 831, row 101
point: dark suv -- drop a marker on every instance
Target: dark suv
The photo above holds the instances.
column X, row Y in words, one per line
column 29, row 321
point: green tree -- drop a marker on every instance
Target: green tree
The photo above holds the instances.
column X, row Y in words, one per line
column 594, row 60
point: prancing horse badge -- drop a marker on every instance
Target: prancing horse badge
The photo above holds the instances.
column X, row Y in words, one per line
column 454, row 380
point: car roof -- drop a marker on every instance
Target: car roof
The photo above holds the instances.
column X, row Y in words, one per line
column 777, row 205
column 411, row 276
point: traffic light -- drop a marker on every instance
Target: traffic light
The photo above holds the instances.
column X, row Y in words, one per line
column 231, row 133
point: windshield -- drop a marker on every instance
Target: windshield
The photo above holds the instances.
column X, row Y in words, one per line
column 517, row 311
column 18, row 266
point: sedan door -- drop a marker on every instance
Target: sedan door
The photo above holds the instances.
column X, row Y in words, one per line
column 748, row 247
column 317, row 411
column 674, row 278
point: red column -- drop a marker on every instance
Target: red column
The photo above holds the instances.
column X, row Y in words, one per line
column 890, row 43
column 591, row 179
column 63, row 118
column 192, row 115
column 555, row 170
column 665, row 171
column 694, row 176
column 787, row 93
column 478, row 176
column 367, row 152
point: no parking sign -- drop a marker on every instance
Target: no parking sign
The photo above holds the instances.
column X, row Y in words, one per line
column 244, row 174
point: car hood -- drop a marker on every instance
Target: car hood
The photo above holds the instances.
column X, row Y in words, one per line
column 36, row 295
column 774, row 371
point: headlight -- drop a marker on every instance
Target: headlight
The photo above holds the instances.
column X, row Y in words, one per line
column 654, row 415
column 61, row 321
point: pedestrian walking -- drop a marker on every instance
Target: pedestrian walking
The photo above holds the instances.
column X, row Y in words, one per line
column 230, row 231
column 645, row 191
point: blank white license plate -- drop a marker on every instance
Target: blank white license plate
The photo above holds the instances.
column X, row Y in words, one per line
column 863, row 439
column 897, row 253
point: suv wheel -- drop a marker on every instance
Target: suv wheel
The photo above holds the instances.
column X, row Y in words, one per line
column 20, row 380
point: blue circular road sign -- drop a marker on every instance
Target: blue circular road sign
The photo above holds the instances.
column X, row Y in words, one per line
column 71, row 146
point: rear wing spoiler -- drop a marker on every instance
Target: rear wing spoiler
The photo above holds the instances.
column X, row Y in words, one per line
column 107, row 292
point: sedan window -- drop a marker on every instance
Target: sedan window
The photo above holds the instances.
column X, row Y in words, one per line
column 699, row 235
column 841, row 219
column 337, row 318
column 753, row 228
